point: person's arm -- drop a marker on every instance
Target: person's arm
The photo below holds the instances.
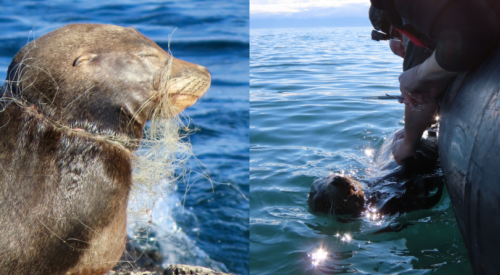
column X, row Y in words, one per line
column 424, row 82
column 466, row 32
column 415, row 124
column 421, row 84
column 396, row 44
column 397, row 47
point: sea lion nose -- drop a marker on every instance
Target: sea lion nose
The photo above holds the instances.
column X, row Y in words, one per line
column 181, row 67
column 203, row 69
column 188, row 78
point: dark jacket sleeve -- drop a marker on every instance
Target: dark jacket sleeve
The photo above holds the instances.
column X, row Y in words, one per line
column 466, row 32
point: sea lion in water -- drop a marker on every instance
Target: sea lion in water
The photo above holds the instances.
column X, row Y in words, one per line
column 336, row 194
column 73, row 110
column 393, row 193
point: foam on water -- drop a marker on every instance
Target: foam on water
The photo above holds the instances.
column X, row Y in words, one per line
column 160, row 231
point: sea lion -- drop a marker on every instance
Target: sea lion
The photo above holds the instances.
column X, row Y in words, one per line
column 396, row 192
column 73, row 110
column 336, row 194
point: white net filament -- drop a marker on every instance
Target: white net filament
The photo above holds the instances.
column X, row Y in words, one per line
column 160, row 162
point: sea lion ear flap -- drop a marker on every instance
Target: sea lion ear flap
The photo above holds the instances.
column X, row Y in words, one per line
column 84, row 57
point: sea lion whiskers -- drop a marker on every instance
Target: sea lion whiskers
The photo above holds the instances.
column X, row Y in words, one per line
column 332, row 209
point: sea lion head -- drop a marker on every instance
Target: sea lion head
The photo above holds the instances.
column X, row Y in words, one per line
column 103, row 79
column 336, row 194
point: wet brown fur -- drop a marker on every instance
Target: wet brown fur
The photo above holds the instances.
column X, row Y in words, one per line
column 75, row 104
column 336, row 194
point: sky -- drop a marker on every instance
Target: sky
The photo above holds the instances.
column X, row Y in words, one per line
column 308, row 13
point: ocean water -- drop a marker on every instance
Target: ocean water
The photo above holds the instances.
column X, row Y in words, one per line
column 207, row 223
column 308, row 119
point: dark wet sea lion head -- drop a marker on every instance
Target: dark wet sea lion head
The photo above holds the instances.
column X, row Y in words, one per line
column 103, row 78
column 337, row 194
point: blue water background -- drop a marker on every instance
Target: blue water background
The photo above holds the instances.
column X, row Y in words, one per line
column 308, row 119
column 214, row 219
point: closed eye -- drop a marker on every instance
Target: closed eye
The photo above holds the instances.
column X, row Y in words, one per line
column 147, row 54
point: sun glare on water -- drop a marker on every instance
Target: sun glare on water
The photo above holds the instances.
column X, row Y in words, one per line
column 373, row 215
column 318, row 256
column 346, row 238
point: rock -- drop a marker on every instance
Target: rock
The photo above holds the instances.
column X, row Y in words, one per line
column 132, row 273
column 180, row 269
column 137, row 260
